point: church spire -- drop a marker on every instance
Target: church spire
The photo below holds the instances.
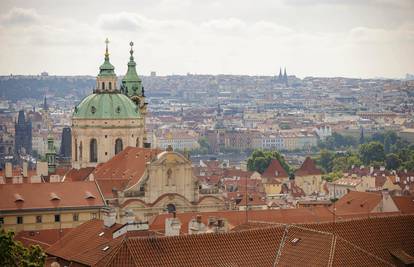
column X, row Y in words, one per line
column 106, row 69
column 131, row 83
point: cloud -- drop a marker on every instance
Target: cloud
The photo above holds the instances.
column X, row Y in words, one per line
column 121, row 21
column 20, row 16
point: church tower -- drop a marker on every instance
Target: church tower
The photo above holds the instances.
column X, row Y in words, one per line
column 106, row 121
column 132, row 84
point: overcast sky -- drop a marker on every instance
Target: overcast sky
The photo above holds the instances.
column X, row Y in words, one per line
column 351, row 38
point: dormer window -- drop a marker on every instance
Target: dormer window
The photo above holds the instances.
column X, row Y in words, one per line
column 53, row 196
column 89, row 195
column 18, row 198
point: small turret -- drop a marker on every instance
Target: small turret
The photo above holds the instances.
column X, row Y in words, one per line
column 106, row 80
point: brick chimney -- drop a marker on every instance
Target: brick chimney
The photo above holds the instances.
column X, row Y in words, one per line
column 172, row 226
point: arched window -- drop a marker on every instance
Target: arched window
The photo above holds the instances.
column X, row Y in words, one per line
column 110, row 86
column 93, row 151
column 171, row 208
column 76, row 149
column 118, row 146
column 80, row 151
column 137, row 143
column 103, row 86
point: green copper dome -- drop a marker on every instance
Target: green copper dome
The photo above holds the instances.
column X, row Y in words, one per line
column 106, row 106
column 106, row 69
column 131, row 83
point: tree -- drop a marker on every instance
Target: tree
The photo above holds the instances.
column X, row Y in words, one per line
column 361, row 136
column 390, row 139
column 372, row 151
column 392, row 161
column 325, row 160
column 339, row 164
column 13, row 253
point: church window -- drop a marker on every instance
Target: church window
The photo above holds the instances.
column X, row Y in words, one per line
column 76, row 149
column 93, row 109
column 93, row 151
column 110, row 86
column 80, row 150
column 170, row 180
column 118, row 145
column 171, row 208
column 118, row 109
column 137, row 143
column 103, row 86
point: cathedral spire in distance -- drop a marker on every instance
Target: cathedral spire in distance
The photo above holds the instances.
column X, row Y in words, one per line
column 131, row 83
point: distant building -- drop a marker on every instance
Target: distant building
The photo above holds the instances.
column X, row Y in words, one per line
column 66, row 144
column 153, row 74
column 23, row 134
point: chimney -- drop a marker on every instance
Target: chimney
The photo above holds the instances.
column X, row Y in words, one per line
column 172, row 226
column 128, row 217
column 35, row 179
column 41, row 168
column 196, row 226
column 54, row 178
column 109, row 218
column 9, row 172
column 17, row 180
column 382, row 168
column 25, row 166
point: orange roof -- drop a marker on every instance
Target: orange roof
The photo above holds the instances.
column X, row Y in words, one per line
column 43, row 238
column 49, row 195
column 362, row 242
column 404, row 203
column 78, row 174
column 85, row 243
column 357, row 202
column 275, row 170
column 308, row 168
column 129, row 164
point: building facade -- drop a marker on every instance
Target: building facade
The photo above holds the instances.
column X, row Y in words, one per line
column 107, row 121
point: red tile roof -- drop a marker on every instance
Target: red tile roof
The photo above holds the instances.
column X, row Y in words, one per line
column 43, row 238
column 78, row 174
column 275, row 170
column 49, row 195
column 404, row 203
column 357, row 202
column 308, row 168
column 130, row 164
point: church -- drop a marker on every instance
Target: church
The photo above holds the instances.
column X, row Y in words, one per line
column 109, row 119
column 109, row 145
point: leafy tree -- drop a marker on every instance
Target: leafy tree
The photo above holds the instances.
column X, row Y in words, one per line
column 325, row 160
column 392, row 161
column 339, row 164
column 390, row 139
column 203, row 142
column 372, row 151
column 14, row 254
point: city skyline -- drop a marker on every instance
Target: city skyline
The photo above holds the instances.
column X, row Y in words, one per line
column 338, row 38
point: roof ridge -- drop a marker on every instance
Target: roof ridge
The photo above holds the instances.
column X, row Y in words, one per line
column 281, row 245
column 112, row 253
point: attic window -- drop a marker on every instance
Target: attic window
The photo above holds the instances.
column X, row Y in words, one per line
column 53, row 196
column 105, row 248
column 89, row 195
column 18, row 198
column 295, row 241
column 101, row 233
column 93, row 109
column 118, row 109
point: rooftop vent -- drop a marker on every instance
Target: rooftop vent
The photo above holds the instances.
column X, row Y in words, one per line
column 89, row 195
column 295, row 241
column 101, row 233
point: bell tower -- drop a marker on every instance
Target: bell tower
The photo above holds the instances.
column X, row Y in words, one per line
column 106, row 80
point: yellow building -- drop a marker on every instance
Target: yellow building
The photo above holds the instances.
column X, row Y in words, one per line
column 309, row 177
column 38, row 206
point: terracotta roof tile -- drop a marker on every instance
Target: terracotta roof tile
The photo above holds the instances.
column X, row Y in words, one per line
column 43, row 238
column 38, row 195
column 129, row 164
column 404, row 203
column 308, row 168
column 357, row 202
column 275, row 170
column 78, row 175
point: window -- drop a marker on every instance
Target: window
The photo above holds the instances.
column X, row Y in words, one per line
column 38, row 219
column 110, row 86
column 76, row 149
column 57, row 217
column 19, row 220
column 94, row 215
column 80, row 151
column 1, row 220
column 137, row 143
column 93, row 151
column 76, row 217
column 118, row 145
column 103, row 86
